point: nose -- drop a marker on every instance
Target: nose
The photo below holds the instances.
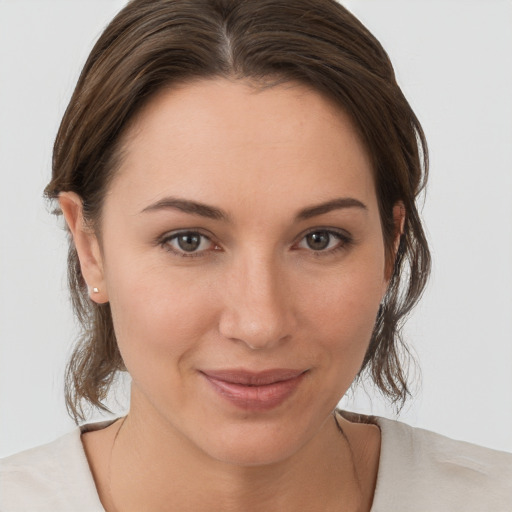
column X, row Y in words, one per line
column 258, row 306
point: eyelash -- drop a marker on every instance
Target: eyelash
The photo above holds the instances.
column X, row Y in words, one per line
column 165, row 244
column 344, row 241
column 343, row 238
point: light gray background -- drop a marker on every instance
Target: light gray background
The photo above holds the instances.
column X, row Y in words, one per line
column 453, row 60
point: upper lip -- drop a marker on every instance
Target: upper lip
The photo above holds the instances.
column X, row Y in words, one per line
column 251, row 378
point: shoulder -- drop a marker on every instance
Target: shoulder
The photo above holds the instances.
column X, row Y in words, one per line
column 421, row 467
column 52, row 477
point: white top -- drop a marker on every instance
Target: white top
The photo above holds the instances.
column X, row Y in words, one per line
column 419, row 471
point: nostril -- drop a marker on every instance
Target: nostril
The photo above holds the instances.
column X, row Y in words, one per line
column 255, row 335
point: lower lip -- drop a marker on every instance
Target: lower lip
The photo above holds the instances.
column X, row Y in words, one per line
column 256, row 398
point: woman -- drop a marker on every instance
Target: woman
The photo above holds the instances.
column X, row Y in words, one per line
column 239, row 180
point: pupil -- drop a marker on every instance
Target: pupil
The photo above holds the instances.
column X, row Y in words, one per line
column 189, row 242
column 318, row 240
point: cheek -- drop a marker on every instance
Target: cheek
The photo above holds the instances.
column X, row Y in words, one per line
column 344, row 312
column 164, row 317
column 157, row 315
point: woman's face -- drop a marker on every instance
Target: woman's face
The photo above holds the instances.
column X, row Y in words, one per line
column 243, row 259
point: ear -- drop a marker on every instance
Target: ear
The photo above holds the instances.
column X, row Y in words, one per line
column 399, row 214
column 86, row 244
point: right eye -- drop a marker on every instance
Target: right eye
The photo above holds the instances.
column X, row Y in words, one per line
column 188, row 243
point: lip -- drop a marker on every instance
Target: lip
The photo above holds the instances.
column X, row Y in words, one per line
column 256, row 391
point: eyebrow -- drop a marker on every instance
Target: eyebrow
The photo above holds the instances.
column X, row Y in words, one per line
column 211, row 212
column 188, row 206
column 335, row 204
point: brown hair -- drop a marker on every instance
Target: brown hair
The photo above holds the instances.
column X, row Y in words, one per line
column 153, row 44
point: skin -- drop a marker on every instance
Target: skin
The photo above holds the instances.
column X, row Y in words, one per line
column 254, row 296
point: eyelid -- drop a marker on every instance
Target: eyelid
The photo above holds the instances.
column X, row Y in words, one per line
column 164, row 240
column 342, row 233
column 345, row 238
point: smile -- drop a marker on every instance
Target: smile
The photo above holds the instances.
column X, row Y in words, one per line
column 255, row 391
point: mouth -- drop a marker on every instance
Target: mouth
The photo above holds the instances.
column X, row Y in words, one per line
column 256, row 391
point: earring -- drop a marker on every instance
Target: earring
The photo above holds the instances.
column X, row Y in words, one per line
column 95, row 290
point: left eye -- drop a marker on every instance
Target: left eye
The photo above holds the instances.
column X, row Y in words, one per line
column 321, row 240
column 189, row 242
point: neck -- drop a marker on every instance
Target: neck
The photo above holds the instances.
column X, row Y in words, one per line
column 154, row 468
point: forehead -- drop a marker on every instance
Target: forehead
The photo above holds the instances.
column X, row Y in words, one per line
column 220, row 140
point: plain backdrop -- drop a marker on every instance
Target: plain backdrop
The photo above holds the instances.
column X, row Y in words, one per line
column 453, row 60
